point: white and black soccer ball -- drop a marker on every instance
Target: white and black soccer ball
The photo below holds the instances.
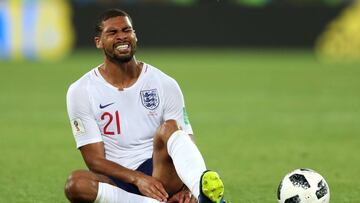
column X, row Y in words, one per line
column 303, row 186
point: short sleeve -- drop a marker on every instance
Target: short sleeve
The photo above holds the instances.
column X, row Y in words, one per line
column 174, row 106
column 83, row 123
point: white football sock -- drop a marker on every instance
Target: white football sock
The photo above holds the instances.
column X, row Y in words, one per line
column 109, row 194
column 189, row 163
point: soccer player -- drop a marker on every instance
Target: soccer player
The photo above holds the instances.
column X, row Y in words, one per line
column 129, row 121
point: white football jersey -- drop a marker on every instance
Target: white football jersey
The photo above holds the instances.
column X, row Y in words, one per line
column 125, row 120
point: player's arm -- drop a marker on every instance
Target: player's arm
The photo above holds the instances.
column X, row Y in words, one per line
column 89, row 140
column 94, row 157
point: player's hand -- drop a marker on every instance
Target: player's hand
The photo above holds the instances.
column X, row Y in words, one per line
column 184, row 196
column 151, row 187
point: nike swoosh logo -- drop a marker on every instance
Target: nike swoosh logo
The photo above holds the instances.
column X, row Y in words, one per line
column 101, row 106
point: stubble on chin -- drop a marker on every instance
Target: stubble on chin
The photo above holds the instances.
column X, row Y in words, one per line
column 120, row 59
column 123, row 59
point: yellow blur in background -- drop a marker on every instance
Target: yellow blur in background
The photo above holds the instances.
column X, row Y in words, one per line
column 36, row 29
column 341, row 40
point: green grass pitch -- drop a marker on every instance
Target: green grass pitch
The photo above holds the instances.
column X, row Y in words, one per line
column 256, row 116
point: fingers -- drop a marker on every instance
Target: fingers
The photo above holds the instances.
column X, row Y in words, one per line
column 193, row 199
column 160, row 192
column 154, row 193
column 151, row 187
column 188, row 197
column 182, row 197
column 173, row 199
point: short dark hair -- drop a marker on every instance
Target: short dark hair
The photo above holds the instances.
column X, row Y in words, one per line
column 111, row 13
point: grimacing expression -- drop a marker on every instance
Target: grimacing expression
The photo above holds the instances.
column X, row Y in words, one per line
column 117, row 39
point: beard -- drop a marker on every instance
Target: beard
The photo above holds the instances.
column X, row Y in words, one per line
column 119, row 59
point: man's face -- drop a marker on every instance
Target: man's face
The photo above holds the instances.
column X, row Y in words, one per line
column 117, row 39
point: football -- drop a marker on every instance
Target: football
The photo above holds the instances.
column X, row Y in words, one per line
column 303, row 186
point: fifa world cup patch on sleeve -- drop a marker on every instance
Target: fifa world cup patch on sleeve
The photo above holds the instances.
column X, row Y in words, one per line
column 77, row 127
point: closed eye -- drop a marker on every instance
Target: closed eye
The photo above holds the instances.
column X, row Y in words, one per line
column 127, row 29
column 111, row 32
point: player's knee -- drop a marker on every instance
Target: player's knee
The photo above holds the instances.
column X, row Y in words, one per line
column 167, row 129
column 77, row 187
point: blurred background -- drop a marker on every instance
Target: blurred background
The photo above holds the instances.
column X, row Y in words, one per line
column 39, row 29
column 270, row 86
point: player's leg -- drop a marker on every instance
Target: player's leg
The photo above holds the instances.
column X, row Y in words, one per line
column 163, row 167
column 86, row 186
column 189, row 164
column 82, row 186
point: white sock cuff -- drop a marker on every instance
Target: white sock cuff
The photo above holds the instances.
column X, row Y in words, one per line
column 99, row 192
column 189, row 163
column 109, row 194
column 174, row 137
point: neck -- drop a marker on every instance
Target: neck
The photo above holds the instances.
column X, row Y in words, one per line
column 121, row 75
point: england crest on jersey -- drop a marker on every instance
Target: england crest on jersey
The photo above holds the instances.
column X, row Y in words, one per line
column 150, row 99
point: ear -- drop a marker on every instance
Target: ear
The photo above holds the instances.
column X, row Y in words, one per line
column 98, row 42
